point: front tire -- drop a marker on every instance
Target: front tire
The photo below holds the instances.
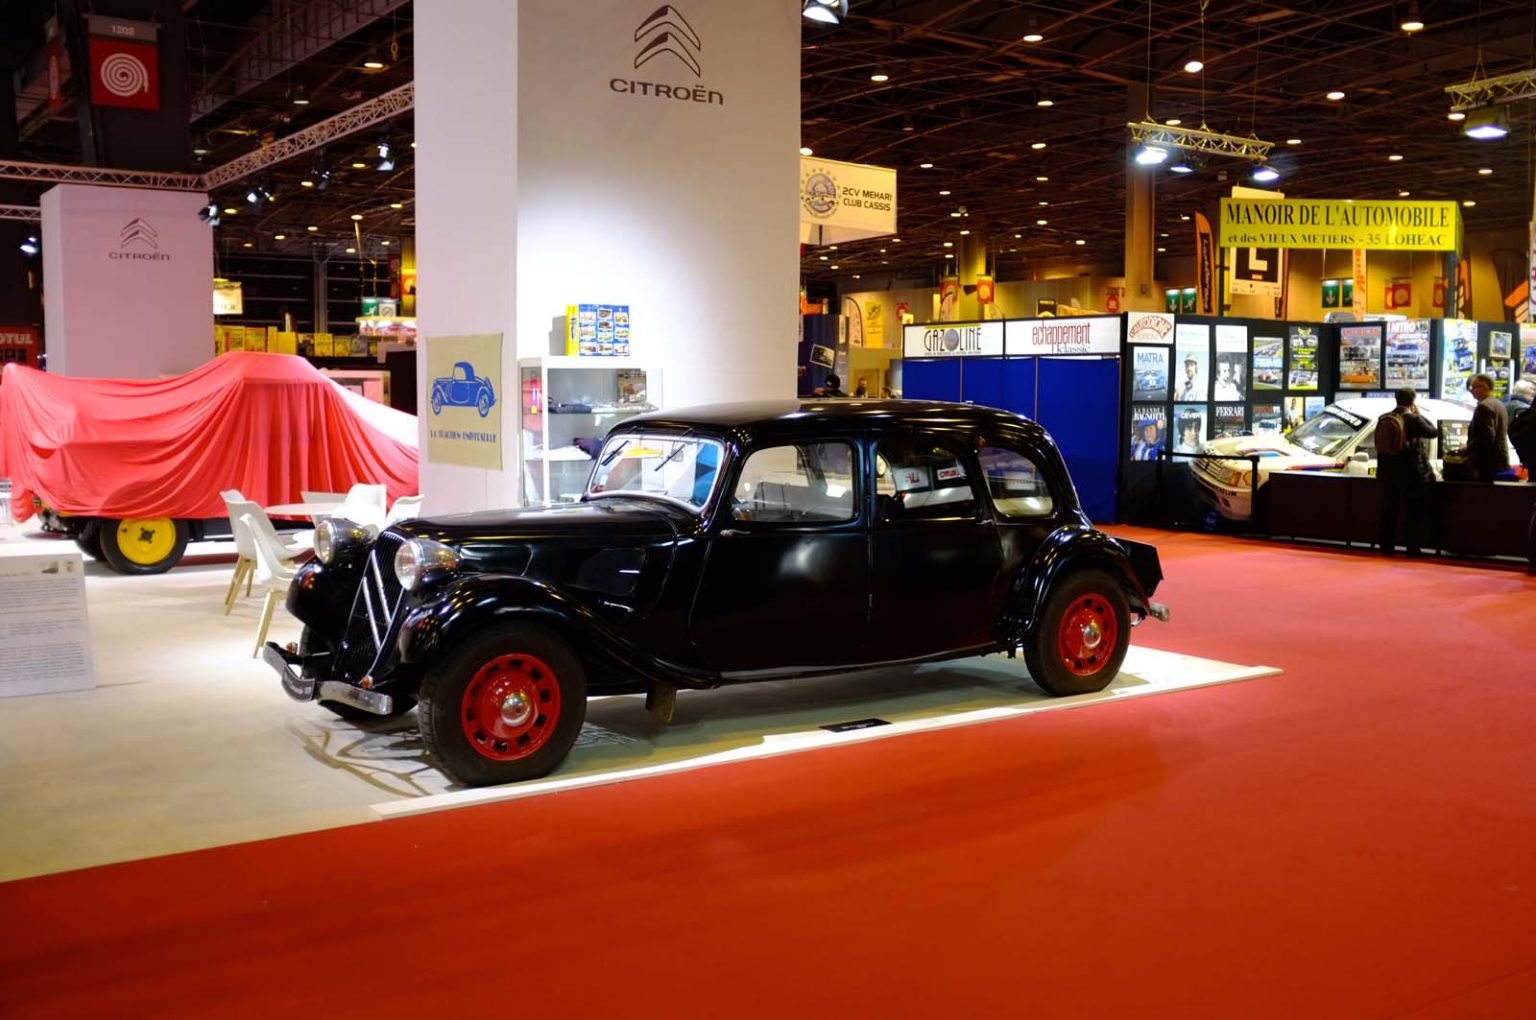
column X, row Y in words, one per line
column 149, row 545
column 88, row 539
column 1082, row 637
column 504, row 706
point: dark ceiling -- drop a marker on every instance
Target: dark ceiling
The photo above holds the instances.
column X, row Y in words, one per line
column 962, row 94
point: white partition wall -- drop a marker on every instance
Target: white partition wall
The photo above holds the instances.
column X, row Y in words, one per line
column 612, row 151
column 127, row 281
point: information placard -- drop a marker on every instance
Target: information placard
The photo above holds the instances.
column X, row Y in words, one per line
column 45, row 644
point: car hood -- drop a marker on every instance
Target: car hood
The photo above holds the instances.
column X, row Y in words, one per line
column 600, row 522
column 1275, row 452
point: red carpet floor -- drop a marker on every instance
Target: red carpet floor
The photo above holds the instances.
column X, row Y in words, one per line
column 1354, row 839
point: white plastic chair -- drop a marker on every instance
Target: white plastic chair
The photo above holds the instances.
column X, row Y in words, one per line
column 405, row 508
column 245, row 543
column 364, row 505
column 273, row 572
column 376, row 495
column 310, row 496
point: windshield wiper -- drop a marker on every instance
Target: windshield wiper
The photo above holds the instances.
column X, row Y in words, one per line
column 616, row 451
column 669, row 458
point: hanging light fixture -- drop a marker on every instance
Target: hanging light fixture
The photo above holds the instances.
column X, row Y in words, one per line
column 30, row 245
column 1265, row 174
column 1412, row 22
column 1186, row 163
column 828, row 12
column 1151, row 155
column 1488, row 124
column 209, row 214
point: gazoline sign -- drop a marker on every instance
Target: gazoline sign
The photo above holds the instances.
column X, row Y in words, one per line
column 1338, row 223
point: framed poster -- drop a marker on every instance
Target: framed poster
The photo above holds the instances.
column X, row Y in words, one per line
column 1230, row 420
column 1303, row 358
column 1407, row 354
column 1191, row 362
column 1500, row 343
column 1360, row 357
column 1266, row 418
column 1149, row 427
column 1188, row 427
column 1268, row 363
column 1150, row 378
column 1459, row 361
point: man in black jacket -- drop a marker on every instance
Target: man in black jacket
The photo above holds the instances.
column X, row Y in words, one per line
column 1488, row 436
column 1405, row 478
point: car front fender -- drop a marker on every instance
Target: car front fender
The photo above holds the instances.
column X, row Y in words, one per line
column 1068, row 548
column 446, row 614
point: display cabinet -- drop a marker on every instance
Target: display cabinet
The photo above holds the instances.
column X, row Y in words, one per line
column 568, row 404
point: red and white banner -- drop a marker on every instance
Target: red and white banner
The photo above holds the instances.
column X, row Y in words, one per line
column 125, row 63
column 18, row 345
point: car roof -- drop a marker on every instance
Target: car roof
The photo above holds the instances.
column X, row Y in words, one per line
column 800, row 416
column 1375, row 407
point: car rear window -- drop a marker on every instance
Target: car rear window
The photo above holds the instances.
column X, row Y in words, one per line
column 1014, row 481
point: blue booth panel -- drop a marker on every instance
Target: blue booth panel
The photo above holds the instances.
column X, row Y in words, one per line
column 981, row 381
column 1019, row 376
column 931, row 379
column 1080, row 407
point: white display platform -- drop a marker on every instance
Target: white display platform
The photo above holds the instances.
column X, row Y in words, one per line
column 622, row 743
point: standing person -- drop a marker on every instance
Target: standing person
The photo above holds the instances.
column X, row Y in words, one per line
column 1488, row 437
column 833, row 387
column 1403, row 469
column 1521, row 394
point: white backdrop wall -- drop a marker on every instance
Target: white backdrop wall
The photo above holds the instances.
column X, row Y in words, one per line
column 127, row 281
column 549, row 173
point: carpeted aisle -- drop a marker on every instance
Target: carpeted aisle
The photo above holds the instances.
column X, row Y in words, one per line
column 1355, row 839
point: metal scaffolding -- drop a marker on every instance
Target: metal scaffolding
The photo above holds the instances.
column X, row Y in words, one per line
column 29, row 213
column 1199, row 140
column 1506, row 88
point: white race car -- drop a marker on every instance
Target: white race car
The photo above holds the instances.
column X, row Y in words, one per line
column 1340, row 437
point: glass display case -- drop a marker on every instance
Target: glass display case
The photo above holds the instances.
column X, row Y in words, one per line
column 568, row 404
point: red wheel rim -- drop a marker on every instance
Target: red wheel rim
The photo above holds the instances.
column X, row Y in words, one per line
column 1088, row 635
column 510, row 707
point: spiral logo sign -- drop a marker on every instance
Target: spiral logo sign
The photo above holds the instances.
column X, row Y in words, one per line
column 125, row 69
column 124, row 74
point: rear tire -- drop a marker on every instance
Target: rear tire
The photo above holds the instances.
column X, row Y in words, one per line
column 504, row 706
column 149, row 545
column 1082, row 637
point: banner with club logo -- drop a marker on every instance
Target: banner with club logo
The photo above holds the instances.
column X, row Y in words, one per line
column 845, row 201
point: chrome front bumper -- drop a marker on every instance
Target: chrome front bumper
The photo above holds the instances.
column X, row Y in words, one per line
column 290, row 668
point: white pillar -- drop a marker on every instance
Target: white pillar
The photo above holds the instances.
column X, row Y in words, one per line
column 127, row 281
column 551, row 170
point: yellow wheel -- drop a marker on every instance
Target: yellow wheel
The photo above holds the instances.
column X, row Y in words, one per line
column 148, row 545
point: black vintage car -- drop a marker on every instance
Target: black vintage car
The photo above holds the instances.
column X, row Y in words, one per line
column 715, row 546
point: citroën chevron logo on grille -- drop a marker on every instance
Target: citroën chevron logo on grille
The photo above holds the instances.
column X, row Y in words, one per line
column 667, row 31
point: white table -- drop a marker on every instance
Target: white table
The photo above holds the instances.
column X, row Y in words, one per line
column 304, row 509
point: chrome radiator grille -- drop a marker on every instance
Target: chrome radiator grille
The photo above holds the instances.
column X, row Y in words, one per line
column 371, row 630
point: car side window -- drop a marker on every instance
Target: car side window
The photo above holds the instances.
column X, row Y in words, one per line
column 800, row 483
column 1015, row 482
column 920, row 480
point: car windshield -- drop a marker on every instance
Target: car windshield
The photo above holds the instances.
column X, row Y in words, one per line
column 1324, row 435
column 678, row 469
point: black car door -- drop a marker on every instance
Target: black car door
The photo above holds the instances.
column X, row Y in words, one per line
column 785, row 581
column 935, row 560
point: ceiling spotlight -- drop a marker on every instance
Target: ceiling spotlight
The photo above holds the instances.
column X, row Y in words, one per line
column 1293, row 141
column 1194, row 67
column 1041, row 223
column 30, row 245
column 949, row 244
column 1264, row 173
column 298, row 96
column 386, row 155
column 906, row 124
column 1486, row 124
column 1334, row 96
column 357, row 216
column 397, row 205
column 319, row 173
column 1402, row 193
column 1161, row 250
column 311, row 228
column 1080, row 241
column 351, row 251
column 965, row 233
column 828, row 12
column 199, row 150
column 372, row 62
column 259, row 195
column 1037, row 145
column 306, row 184
column 1456, row 115
column 209, row 214
column 1173, row 121
column 230, row 210
column 805, row 150
column 1045, row 101
column 1469, row 203
column 1484, row 171
column 1042, row 178
column 247, row 244
column 279, row 237
column 944, row 192
column 1032, row 32
column 879, row 75
column 1185, row 163
column 1151, row 155
column 925, row 166
column 1412, row 22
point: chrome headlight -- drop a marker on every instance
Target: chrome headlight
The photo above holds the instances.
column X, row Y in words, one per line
column 336, row 536
column 421, row 560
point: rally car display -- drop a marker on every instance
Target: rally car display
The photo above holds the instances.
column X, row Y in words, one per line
column 719, row 546
column 1340, row 437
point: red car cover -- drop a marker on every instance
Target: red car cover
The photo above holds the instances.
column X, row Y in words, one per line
column 266, row 424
